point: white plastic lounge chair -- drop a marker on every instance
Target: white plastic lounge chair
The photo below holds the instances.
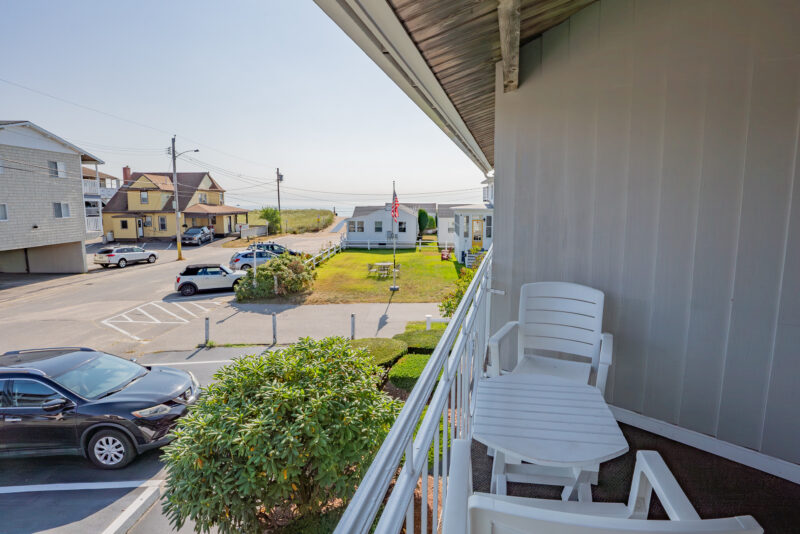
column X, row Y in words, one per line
column 484, row 513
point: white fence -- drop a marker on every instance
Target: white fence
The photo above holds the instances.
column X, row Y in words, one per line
column 421, row 245
column 459, row 356
column 369, row 245
column 323, row 255
column 253, row 231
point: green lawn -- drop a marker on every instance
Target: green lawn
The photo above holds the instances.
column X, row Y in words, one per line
column 297, row 221
column 424, row 277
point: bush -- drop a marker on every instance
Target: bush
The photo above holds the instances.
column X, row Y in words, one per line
column 286, row 433
column 294, row 276
column 422, row 220
column 450, row 303
column 421, row 341
column 273, row 217
column 383, row 351
column 406, row 372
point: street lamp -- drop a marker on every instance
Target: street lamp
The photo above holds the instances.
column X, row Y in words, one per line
column 177, row 201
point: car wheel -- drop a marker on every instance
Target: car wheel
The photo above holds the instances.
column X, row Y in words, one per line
column 236, row 284
column 187, row 290
column 246, row 267
column 110, row 449
column 104, row 265
column 151, row 258
column 122, row 263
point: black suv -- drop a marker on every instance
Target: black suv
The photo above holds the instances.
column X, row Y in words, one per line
column 86, row 402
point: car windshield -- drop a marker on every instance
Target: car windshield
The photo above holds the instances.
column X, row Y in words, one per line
column 105, row 251
column 100, row 376
column 225, row 269
column 193, row 231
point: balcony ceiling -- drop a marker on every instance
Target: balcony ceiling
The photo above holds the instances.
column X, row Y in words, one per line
column 460, row 41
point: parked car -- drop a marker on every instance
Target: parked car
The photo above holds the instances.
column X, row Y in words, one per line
column 86, row 402
column 201, row 277
column 273, row 247
column 122, row 256
column 197, row 235
column 244, row 260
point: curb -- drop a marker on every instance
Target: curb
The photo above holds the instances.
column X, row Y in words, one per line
column 135, row 511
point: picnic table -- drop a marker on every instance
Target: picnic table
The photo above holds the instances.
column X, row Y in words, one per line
column 383, row 268
column 562, row 427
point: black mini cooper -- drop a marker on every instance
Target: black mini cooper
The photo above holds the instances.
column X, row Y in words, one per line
column 82, row 401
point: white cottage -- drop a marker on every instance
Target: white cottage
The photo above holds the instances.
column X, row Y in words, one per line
column 473, row 230
column 371, row 227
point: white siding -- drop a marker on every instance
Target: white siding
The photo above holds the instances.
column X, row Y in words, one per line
column 651, row 152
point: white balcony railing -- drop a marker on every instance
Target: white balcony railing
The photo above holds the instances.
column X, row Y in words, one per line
column 459, row 356
column 90, row 187
column 94, row 224
column 486, row 196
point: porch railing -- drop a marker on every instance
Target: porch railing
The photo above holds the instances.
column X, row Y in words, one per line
column 90, row 187
column 94, row 224
column 459, row 357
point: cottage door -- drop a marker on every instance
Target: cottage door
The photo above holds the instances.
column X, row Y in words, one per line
column 139, row 231
column 477, row 233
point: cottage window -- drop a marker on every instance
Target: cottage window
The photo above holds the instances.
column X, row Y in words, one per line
column 123, row 224
column 148, row 220
column 162, row 223
column 221, row 199
column 3, row 212
column 359, row 226
column 60, row 210
column 379, row 226
column 203, row 198
column 466, row 225
column 351, row 226
column 401, row 226
column 451, row 228
column 57, row 169
column 143, row 197
column 488, row 226
column 456, row 225
column 213, row 219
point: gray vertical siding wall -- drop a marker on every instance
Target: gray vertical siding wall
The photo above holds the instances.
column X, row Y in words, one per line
column 651, row 151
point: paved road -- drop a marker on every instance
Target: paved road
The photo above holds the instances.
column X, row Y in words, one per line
column 69, row 511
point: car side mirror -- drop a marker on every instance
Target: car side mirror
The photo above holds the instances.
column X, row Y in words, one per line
column 56, row 404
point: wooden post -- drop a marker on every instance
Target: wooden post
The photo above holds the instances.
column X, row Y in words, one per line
column 508, row 18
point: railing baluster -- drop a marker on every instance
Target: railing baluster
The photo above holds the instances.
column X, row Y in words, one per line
column 423, row 504
column 435, row 516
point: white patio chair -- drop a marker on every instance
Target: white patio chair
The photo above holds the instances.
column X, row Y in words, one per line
column 554, row 319
column 484, row 513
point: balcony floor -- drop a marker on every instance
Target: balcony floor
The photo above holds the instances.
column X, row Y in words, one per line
column 716, row 487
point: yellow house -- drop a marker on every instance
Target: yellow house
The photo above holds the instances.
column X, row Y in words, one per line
column 144, row 207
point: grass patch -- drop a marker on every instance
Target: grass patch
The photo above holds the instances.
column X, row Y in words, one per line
column 405, row 373
column 384, row 351
column 416, row 326
column 421, row 341
column 295, row 221
column 423, row 277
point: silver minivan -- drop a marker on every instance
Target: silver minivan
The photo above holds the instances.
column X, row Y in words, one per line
column 122, row 256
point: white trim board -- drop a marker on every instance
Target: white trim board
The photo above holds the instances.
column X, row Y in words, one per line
column 757, row 460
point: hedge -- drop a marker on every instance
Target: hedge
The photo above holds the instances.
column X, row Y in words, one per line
column 421, row 341
column 405, row 373
column 384, row 351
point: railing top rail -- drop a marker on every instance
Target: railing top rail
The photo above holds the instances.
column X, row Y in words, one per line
column 363, row 508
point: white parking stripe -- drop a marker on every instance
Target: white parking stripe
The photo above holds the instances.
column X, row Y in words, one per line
column 79, row 486
column 184, row 309
column 108, row 324
column 126, row 519
column 196, row 304
column 157, row 305
column 191, row 363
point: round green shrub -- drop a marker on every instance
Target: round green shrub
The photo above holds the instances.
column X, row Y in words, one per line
column 285, row 432
column 294, row 276
column 405, row 373
column 384, row 351
column 421, row 341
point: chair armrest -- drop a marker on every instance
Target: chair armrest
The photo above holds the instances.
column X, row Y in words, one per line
column 606, row 350
column 494, row 347
column 459, row 488
column 651, row 474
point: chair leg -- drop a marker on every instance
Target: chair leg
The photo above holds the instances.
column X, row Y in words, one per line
column 498, row 484
column 581, row 490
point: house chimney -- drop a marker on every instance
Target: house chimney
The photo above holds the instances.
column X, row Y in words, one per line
column 126, row 174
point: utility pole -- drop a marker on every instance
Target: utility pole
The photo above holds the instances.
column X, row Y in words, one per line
column 177, row 198
column 279, row 180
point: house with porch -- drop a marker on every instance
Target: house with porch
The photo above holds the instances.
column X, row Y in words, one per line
column 144, row 207
column 98, row 188
column 647, row 150
column 372, row 227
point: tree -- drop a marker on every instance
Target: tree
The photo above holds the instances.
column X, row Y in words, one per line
column 273, row 218
column 422, row 218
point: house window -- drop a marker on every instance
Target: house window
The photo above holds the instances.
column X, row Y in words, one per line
column 359, row 226
column 143, row 197
column 221, row 199
column 451, row 228
column 162, row 223
column 456, row 225
column 401, row 226
column 351, row 226
column 3, row 212
column 379, row 226
column 488, row 226
column 148, row 220
column 203, row 198
column 57, row 169
column 123, row 224
column 60, row 210
column 213, row 219
column 466, row 225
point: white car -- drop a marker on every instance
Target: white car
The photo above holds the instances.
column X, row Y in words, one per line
column 122, row 256
column 201, row 277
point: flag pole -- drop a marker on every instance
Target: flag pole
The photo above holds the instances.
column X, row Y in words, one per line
column 394, row 241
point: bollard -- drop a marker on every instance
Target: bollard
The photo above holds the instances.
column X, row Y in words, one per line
column 275, row 284
column 352, row 326
column 428, row 321
column 207, row 331
column 274, row 328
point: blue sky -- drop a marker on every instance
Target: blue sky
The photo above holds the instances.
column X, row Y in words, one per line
column 253, row 84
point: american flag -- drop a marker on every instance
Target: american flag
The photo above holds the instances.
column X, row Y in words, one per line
column 395, row 205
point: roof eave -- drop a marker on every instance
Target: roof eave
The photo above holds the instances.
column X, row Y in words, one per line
column 86, row 157
column 375, row 29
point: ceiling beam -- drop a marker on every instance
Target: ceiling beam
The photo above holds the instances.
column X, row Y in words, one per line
column 508, row 18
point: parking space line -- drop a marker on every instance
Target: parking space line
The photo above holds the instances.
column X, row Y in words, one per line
column 108, row 324
column 157, row 305
column 196, row 304
column 126, row 519
column 153, row 319
column 80, row 486
column 184, row 309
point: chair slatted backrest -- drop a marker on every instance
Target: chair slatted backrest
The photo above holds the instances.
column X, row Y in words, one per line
column 492, row 516
column 561, row 317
